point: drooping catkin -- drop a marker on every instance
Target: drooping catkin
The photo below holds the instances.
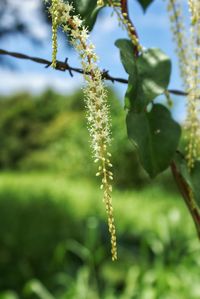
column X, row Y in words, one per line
column 176, row 16
column 97, row 108
column 193, row 121
column 54, row 15
column 188, row 50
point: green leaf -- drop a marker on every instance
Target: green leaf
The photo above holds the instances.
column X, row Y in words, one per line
column 129, row 62
column 192, row 178
column 156, row 136
column 153, row 76
column 149, row 74
column 145, row 3
column 8, row 295
column 133, row 89
column 127, row 55
column 88, row 11
column 154, row 69
column 83, row 5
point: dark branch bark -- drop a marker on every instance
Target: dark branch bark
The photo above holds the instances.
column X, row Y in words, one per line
column 64, row 66
column 184, row 190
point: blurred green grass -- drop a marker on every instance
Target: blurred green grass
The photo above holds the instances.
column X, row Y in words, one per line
column 85, row 196
column 55, row 244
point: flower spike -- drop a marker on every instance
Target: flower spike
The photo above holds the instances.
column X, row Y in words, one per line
column 98, row 116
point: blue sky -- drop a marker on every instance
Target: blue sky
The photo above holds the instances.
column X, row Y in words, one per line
column 153, row 28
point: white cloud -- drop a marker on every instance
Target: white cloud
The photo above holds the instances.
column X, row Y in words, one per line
column 30, row 12
column 36, row 82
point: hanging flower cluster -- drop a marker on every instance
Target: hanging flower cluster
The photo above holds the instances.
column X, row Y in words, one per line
column 188, row 49
column 55, row 24
column 178, row 29
column 95, row 101
column 193, row 121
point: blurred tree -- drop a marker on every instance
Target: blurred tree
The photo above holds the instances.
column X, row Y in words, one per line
column 35, row 131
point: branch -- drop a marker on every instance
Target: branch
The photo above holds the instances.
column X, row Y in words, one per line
column 131, row 28
column 64, row 66
column 184, row 190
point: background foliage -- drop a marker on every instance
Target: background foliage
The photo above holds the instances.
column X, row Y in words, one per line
column 49, row 132
column 52, row 221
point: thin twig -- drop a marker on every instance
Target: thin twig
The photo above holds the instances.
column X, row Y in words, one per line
column 64, row 66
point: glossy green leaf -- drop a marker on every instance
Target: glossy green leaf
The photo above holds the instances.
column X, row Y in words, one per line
column 83, row 5
column 127, row 55
column 153, row 75
column 149, row 74
column 156, row 136
column 129, row 62
column 154, row 69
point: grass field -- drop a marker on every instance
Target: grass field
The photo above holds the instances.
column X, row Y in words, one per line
column 144, row 208
column 53, row 230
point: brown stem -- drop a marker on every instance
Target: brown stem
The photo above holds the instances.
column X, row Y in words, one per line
column 131, row 27
column 124, row 9
column 185, row 191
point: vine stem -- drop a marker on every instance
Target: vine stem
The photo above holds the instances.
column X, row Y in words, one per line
column 131, row 27
column 186, row 194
